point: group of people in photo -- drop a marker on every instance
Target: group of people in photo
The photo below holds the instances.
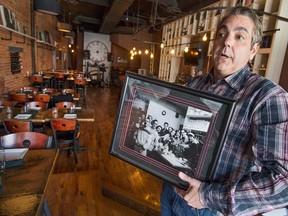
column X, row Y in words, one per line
column 148, row 137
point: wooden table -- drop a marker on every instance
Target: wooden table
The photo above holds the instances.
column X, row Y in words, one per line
column 83, row 115
column 44, row 115
column 24, row 186
column 37, row 116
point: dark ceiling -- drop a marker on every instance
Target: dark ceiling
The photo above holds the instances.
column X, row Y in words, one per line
column 125, row 16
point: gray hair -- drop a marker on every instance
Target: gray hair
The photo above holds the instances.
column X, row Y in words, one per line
column 245, row 11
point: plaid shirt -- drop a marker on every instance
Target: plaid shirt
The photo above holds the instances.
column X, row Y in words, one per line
column 252, row 174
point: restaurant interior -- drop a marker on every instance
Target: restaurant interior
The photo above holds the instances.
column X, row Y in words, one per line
column 64, row 64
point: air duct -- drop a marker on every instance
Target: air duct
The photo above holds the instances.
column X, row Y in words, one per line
column 51, row 7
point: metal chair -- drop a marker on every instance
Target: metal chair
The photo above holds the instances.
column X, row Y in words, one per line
column 65, row 104
column 59, row 81
column 42, row 97
column 18, row 99
column 80, row 87
column 15, row 126
column 37, row 104
column 37, row 81
column 38, row 126
column 66, row 133
column 31, row 140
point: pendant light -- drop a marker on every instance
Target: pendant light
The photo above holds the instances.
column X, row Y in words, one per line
column 63, row 26
column 52, row 7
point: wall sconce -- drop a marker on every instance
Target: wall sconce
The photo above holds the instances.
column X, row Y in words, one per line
column 51, row 7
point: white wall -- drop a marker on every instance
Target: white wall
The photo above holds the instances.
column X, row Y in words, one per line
column 89, row 37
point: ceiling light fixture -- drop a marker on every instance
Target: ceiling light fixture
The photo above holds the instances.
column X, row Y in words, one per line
column 69, row 34
column 51, row 7
column 63, row 26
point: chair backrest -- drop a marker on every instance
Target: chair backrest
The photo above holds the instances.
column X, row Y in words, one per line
column 63, row 124
column 6, row 103
column 31, row 140
column 18, row 97
column 37, row 104
column 69, row 127
column 42, row 97
column 65, row 104
column 80, row 82
column 15, row 126
column 59, row 75
column 36, row 79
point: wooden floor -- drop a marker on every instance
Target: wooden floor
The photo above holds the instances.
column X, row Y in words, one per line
column 101, row 184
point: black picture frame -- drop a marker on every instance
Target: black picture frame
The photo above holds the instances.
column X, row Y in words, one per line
column 203, row 116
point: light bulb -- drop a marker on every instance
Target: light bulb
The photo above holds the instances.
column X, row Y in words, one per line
column 186, row 49
column 204, row 37
column 162, row 45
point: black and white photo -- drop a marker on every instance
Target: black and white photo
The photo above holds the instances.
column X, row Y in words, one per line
column 164, row 128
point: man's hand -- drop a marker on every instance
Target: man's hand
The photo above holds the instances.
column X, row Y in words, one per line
column 191, row 195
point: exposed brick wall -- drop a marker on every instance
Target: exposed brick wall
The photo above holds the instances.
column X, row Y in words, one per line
column 43, row 54
column 7, row 79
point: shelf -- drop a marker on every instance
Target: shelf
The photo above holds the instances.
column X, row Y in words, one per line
column 264, row 51
column 25, row 35
column 269, row 57
column 19, row 33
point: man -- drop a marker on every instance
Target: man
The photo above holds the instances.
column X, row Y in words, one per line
column 164, row 130
column 251, row 175
column 146, row 138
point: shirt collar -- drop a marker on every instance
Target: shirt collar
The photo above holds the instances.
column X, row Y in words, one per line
column 235, row 80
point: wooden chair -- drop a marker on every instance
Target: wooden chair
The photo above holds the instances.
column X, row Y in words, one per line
column 42, row 97
column 65, row 104
column 66, row 133
column 6, row 103
column 31, row 140
column 38, row 126
column 36, row 81
column 37, row 104
column 15, row 126
column 59, row 81
column 18, row 99
column 80, row 88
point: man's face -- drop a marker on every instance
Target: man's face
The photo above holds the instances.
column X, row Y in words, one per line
column 232, row 47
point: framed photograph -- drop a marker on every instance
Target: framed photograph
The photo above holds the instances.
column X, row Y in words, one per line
column 163, row 128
